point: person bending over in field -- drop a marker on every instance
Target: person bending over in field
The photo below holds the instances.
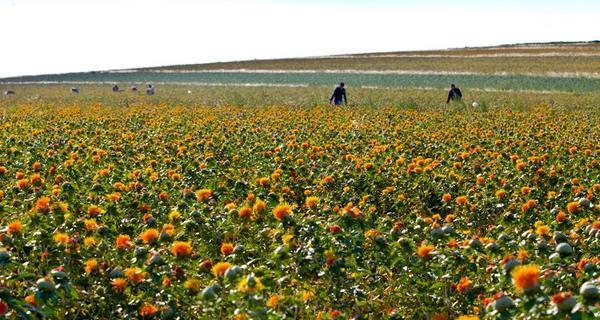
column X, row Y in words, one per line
column 150, row 90
column 454, row 94
column 338, row 94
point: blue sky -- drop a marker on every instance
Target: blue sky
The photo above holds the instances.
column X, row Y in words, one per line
column 42, row 36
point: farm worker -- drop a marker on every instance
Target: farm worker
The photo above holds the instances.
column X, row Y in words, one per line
column 454, row 94
column 338, row 94
column 115, row 88
column 150, row 90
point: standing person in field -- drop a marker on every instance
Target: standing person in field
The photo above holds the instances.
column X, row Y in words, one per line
column 338, row 94
column 454, row 94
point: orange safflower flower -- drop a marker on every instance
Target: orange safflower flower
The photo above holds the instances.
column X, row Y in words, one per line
column 561, row 216
column 181, row 248
column 480, row 180
column 259, row 206
column 245, row 212
column 439, row 316
column 464, row 285
column 149, row 236
column 312, row 202
column 274, row 301
column 218, row 270
column 226, row 248
column 61, row 238
column 204, row 194
column 123, row 241
column 94, row 211
column 461, row 200
column 526, row 277
column 452, row 243
column 36, row 179
column 168, row 229
column 560, row 297
column 522, row 255
column 30, row 299
column 36, row 166
column 543, row 230
column 572, row 207
column 500, row 194
column 90, row 265
column 14, row 227
column 42, row 204
column 525, row 190
column 424, row 251
column 148, row 310
column 119, row 284
column 135, row 275
column 90, row 224
column 115, row 196
column 281, row 211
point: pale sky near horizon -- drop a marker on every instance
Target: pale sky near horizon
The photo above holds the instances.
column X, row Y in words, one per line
column 42, row 36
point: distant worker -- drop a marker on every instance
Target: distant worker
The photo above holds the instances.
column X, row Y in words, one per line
column 74, row 90
column 134, row 88
column 115, row 88
column 454, row 94
column 8, row 92
column 338, row 94
column 150, row 90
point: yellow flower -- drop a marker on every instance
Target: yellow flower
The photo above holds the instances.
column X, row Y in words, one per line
column 174, row 215
column 89, row 241
column 306, row 295
column 192, row 285
column 250, row 284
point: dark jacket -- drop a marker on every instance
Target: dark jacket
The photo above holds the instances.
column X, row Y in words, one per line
column 338, row 94
column 454, row 95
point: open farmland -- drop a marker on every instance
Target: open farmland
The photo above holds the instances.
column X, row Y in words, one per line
column 242, row 195
column 557, row 67
column 513, row 59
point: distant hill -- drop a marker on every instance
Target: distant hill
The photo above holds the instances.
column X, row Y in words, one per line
column 558, row 66
column 536, row 58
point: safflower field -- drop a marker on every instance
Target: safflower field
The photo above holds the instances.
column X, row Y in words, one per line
column 164, row 209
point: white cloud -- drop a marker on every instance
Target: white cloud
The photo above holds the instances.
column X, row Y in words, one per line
column 68, row 35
